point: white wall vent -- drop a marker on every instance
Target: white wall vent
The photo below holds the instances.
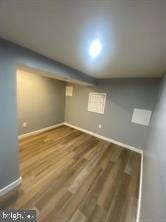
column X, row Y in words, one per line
column 97, row 102
column 69, row 90
column 141, row 116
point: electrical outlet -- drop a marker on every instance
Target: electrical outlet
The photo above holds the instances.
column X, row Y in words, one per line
column 99, row 126
column 24, row 124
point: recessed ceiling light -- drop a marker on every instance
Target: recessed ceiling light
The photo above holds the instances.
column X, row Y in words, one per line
column 95, row 48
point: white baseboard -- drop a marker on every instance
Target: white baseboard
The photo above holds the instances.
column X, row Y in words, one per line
column 40, row 130
column 106, row 138
column 83, row 130
column 10, row 187
column 140, row 190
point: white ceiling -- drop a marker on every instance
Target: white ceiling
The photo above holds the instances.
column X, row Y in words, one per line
column 133, row 33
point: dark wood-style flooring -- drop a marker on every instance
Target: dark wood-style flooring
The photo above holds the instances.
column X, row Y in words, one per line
column 70, row 176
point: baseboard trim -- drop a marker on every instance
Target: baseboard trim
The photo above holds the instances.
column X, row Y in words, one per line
column 40, row 130
column 85, row 131
column 10, row 187
column 140, row 190
column 106, row 138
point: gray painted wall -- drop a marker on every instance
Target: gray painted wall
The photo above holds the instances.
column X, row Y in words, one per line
column 10, row 56
column 123, row 95
column 154, row 172
column 40, row 101
column 22, row 56
column 9, row 167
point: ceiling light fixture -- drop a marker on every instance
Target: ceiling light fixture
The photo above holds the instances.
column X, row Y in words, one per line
column 95, row 48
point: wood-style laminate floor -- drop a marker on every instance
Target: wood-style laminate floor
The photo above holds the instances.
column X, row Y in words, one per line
column 70, row 176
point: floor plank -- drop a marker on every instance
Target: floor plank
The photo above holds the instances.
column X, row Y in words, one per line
column 70, row 176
